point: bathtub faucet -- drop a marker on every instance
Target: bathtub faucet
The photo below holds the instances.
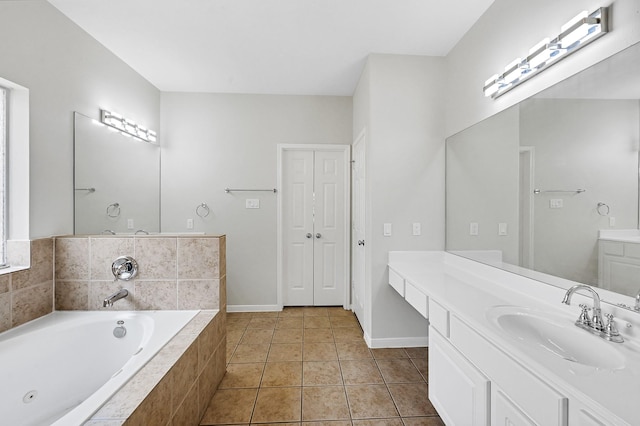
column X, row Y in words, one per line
column 120, row 294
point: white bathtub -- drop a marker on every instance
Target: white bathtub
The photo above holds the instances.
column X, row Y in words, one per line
column 59, row 369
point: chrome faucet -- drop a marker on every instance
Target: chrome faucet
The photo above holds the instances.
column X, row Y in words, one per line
column 594, row 324
column 596, row 321
column 120, row 294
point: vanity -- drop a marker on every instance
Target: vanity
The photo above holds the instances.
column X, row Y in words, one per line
column 619, row 260
column 503, row 349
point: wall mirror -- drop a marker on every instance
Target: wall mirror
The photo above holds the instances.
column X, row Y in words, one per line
column 116, row 181
column 549, row 187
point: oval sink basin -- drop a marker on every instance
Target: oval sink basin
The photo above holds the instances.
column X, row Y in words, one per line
column 556, row 335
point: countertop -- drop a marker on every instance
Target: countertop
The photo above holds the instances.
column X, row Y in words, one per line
column 471, row 290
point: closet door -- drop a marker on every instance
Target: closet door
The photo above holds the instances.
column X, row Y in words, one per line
column 329, row 266
column 314, row 213
column 297, row 227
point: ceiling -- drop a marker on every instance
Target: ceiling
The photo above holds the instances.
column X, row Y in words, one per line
column 304, row 47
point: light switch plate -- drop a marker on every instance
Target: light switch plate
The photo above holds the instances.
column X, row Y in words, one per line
column 387, row 230
column 252, row 203
column 473, row 228
column 555, row 203
column 502, row 229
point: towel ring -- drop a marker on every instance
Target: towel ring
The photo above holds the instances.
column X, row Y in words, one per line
column 113, row 210
column 603, row 209
column 203, row 210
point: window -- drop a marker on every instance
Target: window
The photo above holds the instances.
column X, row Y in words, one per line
column 4, row 115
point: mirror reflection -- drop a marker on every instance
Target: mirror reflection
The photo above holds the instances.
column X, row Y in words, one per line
column 551, row 185
column 117, row 181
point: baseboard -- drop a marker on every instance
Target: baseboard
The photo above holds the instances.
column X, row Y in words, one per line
column 253, row 308
column 396, row 342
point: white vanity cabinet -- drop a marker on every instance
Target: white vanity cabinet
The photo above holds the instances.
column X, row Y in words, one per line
column 619, row 266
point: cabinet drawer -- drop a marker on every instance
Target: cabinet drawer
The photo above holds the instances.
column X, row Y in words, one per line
column 612, row 248
column 396, row 281
column 439, row 317
column 535, row 398
column 416, row 298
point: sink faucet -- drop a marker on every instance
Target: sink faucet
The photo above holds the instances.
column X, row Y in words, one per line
column 596, row 321
column 120, row 294
column 637, row 305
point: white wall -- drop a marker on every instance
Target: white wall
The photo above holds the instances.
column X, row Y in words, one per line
column 505, row 32
column 214, row 141
column 65, row 70
column 398, row 101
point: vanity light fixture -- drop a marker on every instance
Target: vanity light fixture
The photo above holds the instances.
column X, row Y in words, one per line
column 578, row 32
column 127, row 127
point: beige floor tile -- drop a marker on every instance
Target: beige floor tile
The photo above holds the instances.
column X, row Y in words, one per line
column 420, row 352
column 347, row 334
column 389, row 353
column 422, row 421
column 339, row 311
column 422, row 364
column 290, row 322
column 287, row 335
column 255, row 336
column 237, row 323
column 263, row 323
column 291, row 312
column 399, row 371
column 321, row 373
column 370, row 401
column 315, row 312
column 318, row 335
column 328, row 423
column 360, row 372
column 278, row 405
column 411, row 399
column 234, row 336
column 242, row 376
column 378, row 422
column 320, row 352
column 250, row 353
column 274, row 314
column 344, row 322
column 281, row 352
column 237, row 315
column 230, row 406
column 316, row 322
column 282, row 374
column 353, row 350
column 324, row 403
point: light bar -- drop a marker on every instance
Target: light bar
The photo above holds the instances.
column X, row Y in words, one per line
column 127, row 127
column 578, row 32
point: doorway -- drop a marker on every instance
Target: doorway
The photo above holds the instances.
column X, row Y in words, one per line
column 313, row 217
column 358, row 221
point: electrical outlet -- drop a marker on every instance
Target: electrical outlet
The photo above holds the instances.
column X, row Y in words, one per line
column 612, row 222
column 473, row 228
column 417, row 229
column 189, row 223
column 129, row 223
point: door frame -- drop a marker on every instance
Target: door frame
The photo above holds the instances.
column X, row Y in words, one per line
column 346, row 149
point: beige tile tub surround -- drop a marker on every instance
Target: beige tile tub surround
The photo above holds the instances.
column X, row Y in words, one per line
column 175, row 387
column 175, row 272
column 28, row 294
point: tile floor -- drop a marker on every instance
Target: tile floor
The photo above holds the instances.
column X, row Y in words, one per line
column 311, row 367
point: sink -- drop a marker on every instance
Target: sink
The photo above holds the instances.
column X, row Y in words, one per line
column 557, row 335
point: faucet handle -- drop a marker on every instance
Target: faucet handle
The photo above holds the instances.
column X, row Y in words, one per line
column 611, row 331
column 584, row 320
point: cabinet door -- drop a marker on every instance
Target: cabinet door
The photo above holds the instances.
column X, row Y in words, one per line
column 458, row 391
column 505, row 412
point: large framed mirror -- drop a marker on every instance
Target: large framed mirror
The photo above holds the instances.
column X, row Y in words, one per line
column 116, row 181
column 549, row 187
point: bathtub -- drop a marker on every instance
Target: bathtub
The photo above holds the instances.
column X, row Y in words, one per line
column 59, row 369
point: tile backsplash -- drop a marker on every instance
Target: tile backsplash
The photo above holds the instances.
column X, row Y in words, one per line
column 74, row 273
column 28, row 294
column 175, row 272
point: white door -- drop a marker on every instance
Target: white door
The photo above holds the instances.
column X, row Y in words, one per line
column 358, row 240
column 314, row 213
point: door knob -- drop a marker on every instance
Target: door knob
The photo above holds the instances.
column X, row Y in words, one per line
column 309, row 235
column 360, row 242
column 318, row 235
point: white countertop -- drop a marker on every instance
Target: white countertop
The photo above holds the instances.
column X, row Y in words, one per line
column 622, row 235
column 470, row 290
